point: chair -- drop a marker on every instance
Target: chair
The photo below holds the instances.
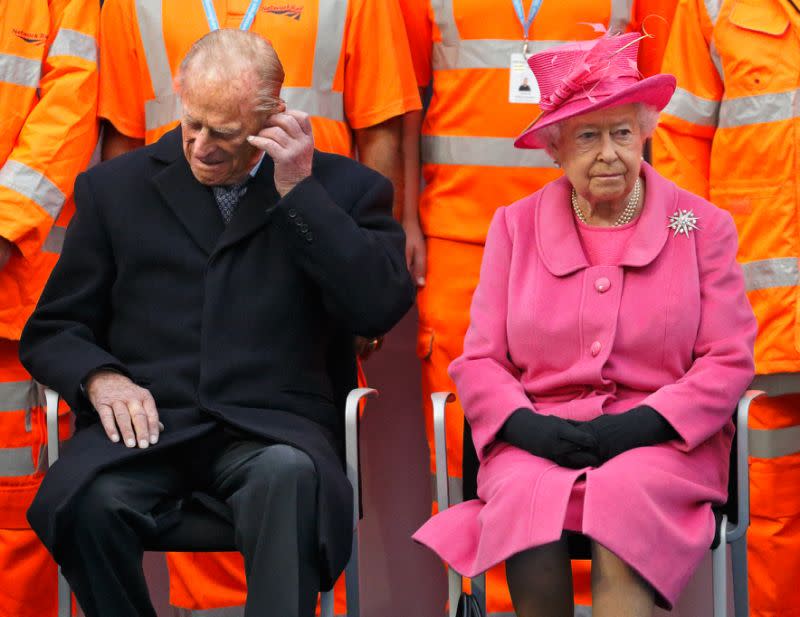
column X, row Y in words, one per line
column 732, row 519
column 217, row 531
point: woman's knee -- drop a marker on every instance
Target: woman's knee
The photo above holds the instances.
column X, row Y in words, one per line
column 544, row 567
column 617, row 588
column 540, row 581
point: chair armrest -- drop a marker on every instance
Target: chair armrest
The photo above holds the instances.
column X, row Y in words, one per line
column 440, row 400
column 51, row 415
column 351, row 443
column 735, row 532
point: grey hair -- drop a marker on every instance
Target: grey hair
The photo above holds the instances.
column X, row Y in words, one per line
column 235, row 56
column 647, row 115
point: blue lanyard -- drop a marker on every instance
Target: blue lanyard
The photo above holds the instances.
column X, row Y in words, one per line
column 247, row 20
column 526, row 23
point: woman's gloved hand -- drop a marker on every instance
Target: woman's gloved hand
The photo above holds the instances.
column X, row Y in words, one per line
column 552, row 438
column 615, row 434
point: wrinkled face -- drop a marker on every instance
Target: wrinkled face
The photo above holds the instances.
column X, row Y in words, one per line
column 215, row 124
column 601, row 153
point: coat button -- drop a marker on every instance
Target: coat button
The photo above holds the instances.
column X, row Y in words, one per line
column 292, row 213
column 309, row 237
column 304, row 228
column 602, row 284
column 596, row 347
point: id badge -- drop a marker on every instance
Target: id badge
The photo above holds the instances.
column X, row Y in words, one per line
column 522, row 85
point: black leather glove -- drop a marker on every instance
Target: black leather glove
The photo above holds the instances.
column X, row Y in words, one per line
column 615, row 434
column 552, row 438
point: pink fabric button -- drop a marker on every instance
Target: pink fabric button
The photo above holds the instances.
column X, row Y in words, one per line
column 596, row 347
column 602, row 284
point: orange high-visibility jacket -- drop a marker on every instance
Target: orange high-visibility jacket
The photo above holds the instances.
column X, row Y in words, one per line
column 341, row 63
column 470, row 165
column 731, row 133
column 48, row 94
column 48, row 131
column 653, row 17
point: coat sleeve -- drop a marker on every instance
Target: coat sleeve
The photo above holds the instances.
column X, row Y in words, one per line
column 488, row 383
column 65, row 337
column 701, row 402
column 59, row 134
column 682, row 140
column 356, row 257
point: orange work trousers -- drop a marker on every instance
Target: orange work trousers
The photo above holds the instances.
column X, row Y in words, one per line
column 444, row 302
column 28, row 575
column 773, row 540
column 204, row 581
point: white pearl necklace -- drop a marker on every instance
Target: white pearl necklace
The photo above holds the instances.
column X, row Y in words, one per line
column 625, row 217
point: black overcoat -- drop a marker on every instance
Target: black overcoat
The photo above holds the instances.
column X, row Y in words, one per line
column 250, row 324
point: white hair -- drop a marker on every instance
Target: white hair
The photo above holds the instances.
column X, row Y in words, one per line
column 234, row 57
column 646, row 114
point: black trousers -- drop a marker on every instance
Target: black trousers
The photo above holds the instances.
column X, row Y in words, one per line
column 270, row 488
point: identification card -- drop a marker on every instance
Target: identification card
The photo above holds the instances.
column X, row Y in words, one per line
column 522, row 86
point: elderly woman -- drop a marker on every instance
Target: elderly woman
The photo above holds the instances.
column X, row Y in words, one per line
column 610, row 339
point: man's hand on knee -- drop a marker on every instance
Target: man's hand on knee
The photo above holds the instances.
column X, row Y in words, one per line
column 124, row 408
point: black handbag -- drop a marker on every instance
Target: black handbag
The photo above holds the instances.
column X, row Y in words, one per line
column 468, row 606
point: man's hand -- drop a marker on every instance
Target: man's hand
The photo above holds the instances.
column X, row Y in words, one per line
column 6, row 248
column 289, row 141
column 124, row 408
column 415, row 251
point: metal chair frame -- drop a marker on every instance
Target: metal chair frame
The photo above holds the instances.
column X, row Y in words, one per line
column 352, row 468
column 727, row 533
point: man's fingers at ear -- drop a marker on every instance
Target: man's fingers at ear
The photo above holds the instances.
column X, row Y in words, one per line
column 267, row 144
column 276, row 134
column 303, row 120
column 288, row 123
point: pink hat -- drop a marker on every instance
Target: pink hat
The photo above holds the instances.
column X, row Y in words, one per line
column 576, row 78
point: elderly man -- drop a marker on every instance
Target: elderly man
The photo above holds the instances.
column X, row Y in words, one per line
column 200, row 323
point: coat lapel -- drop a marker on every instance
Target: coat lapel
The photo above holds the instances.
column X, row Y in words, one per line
column 255, row 208
column 557, row 235
column 652, row 230
column 192, row 202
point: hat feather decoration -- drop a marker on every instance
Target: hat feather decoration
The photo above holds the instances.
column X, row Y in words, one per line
column 589, row 70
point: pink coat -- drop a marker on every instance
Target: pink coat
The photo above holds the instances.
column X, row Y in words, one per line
column 669, row 327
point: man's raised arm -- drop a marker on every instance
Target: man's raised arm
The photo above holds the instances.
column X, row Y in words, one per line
column 355, row 254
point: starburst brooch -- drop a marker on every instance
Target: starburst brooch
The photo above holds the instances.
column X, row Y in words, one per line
column 682, row 221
